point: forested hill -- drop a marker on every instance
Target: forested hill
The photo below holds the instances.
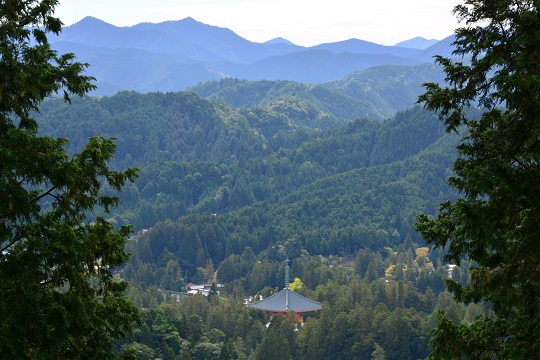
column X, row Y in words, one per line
column 226, row 193
column 198, row 156
column 375, row 93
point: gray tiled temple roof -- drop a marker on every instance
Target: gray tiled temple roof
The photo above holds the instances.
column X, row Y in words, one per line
column 286, row 300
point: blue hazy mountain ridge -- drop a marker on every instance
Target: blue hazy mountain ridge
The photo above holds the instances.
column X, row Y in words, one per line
column 418, row 42
column 119, row 69
column 310, row 66
column 174, row 55
column 443, row 48
column 357, row 46
column 187, row 37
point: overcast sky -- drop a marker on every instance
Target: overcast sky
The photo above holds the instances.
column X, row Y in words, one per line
column 304, row 22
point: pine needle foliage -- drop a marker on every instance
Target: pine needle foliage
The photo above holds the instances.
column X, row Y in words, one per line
column 58, row 296
column 495, row 224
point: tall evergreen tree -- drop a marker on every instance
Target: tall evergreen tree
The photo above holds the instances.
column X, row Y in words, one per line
column 58, row 297
column 496, row 222
column 274, row 345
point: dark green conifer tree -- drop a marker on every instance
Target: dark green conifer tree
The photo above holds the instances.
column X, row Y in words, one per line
column 58, row 297
column 496, row 222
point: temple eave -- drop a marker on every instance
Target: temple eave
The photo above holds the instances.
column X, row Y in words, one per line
column 285, row 301
column 283, row 311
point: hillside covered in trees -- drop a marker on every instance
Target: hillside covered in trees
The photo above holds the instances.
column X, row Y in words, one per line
column 227, row 191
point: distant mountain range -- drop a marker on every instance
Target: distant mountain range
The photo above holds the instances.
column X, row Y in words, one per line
column 175, row 55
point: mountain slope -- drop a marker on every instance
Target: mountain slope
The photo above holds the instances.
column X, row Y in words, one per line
column 375, row 93
column 243, row 93
column 443, row 48
column 389, row 88
column 202, row 157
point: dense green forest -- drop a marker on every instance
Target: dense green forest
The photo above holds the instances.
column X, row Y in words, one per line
column 376, row 93
column 230, row 188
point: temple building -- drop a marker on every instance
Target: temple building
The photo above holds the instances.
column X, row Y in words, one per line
column 286, row 300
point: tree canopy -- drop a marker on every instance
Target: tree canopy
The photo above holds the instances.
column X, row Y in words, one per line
column 59, row 298
column 496, row 222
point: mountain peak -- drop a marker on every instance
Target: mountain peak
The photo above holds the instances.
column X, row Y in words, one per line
column 279, row 40
column 189, row 19
column 90, row 20
column 418, row 42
